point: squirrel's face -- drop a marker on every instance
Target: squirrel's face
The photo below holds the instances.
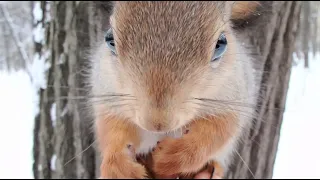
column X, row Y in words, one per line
column 168, row 54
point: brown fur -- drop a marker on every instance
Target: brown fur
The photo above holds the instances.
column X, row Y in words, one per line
column 172, row 157
column 187, row 29
column 191, row 152
column 163, row 58
column 114, row 136
column 243, row 9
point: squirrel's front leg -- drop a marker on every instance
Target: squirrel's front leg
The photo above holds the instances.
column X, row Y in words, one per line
column 117, row 139
column 190, row 153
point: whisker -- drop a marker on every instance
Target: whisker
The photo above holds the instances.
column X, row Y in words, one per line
column 245, row 129
column 79, row 153
column 245, row 163
column 245, row 114
column 236, row 103
column 105, row 113
column 222, row 107
column 71, row 88
column 240, row 139
column 107, row 101
column 88, row 97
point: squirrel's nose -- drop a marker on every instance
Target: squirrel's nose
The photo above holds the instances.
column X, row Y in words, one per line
column 158, row 126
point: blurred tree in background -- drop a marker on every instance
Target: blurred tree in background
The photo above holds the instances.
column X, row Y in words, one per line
column 16, row 25
column 62, row 34
column 308, row 42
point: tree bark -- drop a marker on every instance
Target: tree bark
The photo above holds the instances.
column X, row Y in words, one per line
column 314, row 36
column 72, row 29
column 15, row 47
column 43, row 130
column 306, row 32
column 275, row 40
column 63, row 144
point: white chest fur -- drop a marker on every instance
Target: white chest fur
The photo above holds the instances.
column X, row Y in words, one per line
column 149, row 139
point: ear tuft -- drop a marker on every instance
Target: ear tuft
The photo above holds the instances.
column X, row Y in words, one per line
column 244, row 9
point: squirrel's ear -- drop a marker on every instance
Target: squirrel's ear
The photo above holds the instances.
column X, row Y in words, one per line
column 241, row 10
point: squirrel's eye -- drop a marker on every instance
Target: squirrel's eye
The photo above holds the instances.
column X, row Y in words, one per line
column 221, row 47
column 110, row 41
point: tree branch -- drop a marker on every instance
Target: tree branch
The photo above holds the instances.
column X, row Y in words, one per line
column 16, row 39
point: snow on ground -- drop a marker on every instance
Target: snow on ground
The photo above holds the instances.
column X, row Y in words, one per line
column 16, row 129
column 298, row 153
column 299, row 147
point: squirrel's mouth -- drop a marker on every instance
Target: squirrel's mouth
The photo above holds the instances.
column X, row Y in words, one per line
column 156, row 131
column 162, row 120
column 167, row 130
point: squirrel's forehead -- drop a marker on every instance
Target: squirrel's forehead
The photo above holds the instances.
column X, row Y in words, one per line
column 169, row 11
column 144, row 21
column 167, row 29
column 168, row 4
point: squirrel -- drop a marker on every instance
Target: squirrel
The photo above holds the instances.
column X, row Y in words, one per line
column 165, row 76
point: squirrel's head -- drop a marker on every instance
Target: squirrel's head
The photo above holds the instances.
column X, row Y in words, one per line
column 166, row 54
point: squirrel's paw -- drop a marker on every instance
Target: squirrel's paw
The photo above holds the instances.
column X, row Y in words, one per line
column 218, row 171
column 212, row 170
column 172, row 157
column 121, row 166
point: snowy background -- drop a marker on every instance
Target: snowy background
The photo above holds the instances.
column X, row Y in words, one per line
column 299, row 149
column 298, row 154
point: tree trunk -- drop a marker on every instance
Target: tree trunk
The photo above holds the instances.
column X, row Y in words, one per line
column 275, row 40
column 15, row 47
column 314, row 35
column 315, row 28
column 43, row 130
column 306, row 32
column 63, row 137
column 63, row 143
